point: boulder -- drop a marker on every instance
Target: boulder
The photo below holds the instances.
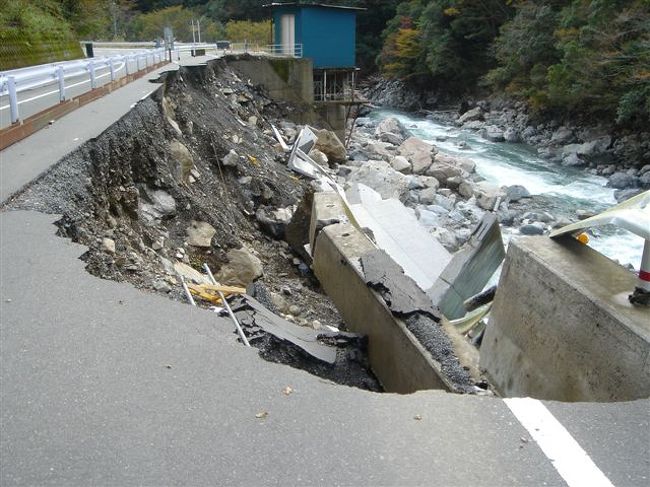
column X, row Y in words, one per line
column 161, row 205
column 573, row 160
column 242, row 268
column 401, row 164
column 391, row 138
column 644, row 180
column 393, row 127
column 474, row 125
column 511, row 135
column 381, row 177
column 535, row 228
column 319, row 157
column 428, row 196
column 442, row 172
column 199, row 234
column 108, row 245
column 625, row 194
column 470, row 116
column 330, row 145
column 562, row 135
column 465, row 189
column 446, row 238
column 487, row 195
column 418, row 152
column 516, row 192
column 622, row 180
column 493, row 134
column 230, row 159
column 182, row 160
column 465, row 164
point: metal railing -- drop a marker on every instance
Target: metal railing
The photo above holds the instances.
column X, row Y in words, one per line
column 19, row 80
column 275, row 50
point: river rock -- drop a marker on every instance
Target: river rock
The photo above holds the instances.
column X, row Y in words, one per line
column 242, row 268
column 466, row 189
column 511, row 135
column 199, row 234
column 472, row 115
column 393, row 127
column 644, row 180
column 427, row 196
column 474, row 125
column 535, row 228
column 330, row 145
column 487, row 195
column 442, row 172
column 379, row 150
column 190, row 274
column 465, row 164
column 446, row 238
column 182, row 159
column 625, row 194
column 573, row 160
column 401, row 164
column 562, row 135
column 428, row 218
column 418, row 152
column 381, row 177
column 516, row 192
column 493, row 134
column 622, row 180
column 392, row 139
column 446, row 202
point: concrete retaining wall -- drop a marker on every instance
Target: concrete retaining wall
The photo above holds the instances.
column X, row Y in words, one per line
column 396, row 356
column 562, row 328
column 285, row 79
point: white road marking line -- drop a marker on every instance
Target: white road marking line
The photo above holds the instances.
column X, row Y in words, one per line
column 567, row 456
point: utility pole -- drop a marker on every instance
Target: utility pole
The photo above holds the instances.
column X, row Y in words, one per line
column 193, row 37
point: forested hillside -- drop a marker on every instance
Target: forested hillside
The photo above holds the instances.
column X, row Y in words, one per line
column 584, row 58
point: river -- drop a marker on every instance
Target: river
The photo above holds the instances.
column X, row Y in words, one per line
column 566, row 189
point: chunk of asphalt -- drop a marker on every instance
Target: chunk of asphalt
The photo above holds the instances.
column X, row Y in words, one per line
column 401, row 294
column 249, row 309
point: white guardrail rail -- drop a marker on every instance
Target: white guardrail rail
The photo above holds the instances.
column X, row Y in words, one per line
column 13, row 82
column 63, row 76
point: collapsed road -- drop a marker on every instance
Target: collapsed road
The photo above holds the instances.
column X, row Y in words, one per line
column 115, row 385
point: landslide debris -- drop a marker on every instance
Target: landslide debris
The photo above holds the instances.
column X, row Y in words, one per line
column 193, row 174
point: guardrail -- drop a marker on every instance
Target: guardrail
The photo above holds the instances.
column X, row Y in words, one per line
column 16, row 81
column 275, row 50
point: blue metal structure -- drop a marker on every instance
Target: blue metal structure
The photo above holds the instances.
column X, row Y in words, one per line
column 327, row 33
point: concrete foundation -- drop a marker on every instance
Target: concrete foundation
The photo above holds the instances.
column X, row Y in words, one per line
column 562, row 328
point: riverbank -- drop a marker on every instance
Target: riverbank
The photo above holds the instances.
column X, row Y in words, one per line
column 623, row 158
column 449, row 177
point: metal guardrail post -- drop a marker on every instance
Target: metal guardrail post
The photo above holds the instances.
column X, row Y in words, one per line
column 112, row 68
column 91, row 71
column 13, row 99
column 60, row 75
column 126, row 65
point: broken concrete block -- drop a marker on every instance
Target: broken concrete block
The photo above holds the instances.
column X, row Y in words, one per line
column 469, row 269
column 327, row 209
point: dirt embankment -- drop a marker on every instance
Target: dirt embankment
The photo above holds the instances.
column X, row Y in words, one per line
column 185, row 178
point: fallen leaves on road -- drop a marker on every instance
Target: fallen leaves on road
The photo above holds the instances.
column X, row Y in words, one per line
column 287, row 390
column 262, row 414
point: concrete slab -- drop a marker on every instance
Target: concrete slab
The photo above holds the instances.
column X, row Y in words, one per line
column 397, row 231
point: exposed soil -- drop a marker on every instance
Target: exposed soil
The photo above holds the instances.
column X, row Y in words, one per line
column 102, row 189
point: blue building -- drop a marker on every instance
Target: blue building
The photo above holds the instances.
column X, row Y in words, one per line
column 326, row 34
